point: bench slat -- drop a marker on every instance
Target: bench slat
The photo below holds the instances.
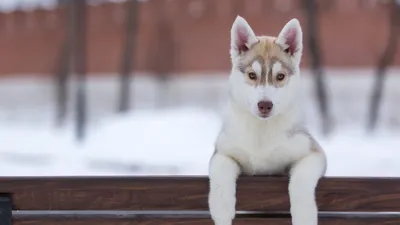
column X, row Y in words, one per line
column 258, row 221
column 191, row 193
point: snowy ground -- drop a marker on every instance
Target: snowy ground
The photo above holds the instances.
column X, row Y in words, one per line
column 176, row 141
column 179, row 138
column 11, row 5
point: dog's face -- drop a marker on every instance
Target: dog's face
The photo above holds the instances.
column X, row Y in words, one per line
column 265, row 70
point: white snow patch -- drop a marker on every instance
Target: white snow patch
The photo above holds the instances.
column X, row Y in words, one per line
column 178, row 140
column 168, row 142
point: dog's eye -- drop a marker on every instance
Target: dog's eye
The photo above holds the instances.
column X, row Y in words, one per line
column 280, row 76
column 286, row 50
column 252, row 75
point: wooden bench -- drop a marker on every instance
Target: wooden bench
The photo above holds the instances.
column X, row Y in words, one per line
column 183, row 200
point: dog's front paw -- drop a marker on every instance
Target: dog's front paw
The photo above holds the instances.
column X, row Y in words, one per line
column 305, row 215
column 222, row 222
column 222, row 206
column 222, row 197
column 304, row 221
column 303, row 181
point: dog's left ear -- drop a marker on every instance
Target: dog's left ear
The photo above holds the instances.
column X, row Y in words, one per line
column 291, row 39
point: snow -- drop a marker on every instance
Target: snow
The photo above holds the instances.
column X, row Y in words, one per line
column 168, row 142
column 12, row 5
column 176, row 140
column 350, row 152
column 163, row 142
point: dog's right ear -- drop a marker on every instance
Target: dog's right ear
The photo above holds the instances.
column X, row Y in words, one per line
column 242, row 37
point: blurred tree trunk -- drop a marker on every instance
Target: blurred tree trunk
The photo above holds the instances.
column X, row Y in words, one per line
column 131, row 29
column 62, row 84
column 162, row 60
column 386, row 59
column 62, row 2
column 77, row 31
column 311, row 14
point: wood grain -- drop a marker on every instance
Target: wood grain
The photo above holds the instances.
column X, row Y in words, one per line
column 190, row 193
column 275, row 221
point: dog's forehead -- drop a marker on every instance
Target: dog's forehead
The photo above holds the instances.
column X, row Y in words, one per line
column 267, row 52
column 266, row 46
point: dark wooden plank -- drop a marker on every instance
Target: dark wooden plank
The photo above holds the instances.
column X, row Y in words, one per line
column 257, row 221
column 190, row 193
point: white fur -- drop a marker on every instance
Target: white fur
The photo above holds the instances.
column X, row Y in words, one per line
column 304, row 177
column 248, row 96
column 292, row 26
column 223, row 172
column 256, row 66
column 252, row 145
column 241, row 25
column 276, row 68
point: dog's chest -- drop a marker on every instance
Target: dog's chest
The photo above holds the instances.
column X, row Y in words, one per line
column 265, row 152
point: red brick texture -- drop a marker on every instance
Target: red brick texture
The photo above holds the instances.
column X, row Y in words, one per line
column 188, row 35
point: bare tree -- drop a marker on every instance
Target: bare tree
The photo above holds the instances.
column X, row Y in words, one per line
column 63, row 2
column 77, row 10
column 311, row 14
column 385, row 60
column 131, row 29
column 162, row 57
column 62, row 84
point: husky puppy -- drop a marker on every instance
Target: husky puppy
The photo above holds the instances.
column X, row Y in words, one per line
column 262, row 130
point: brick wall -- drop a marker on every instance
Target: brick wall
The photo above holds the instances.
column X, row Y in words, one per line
column 188, row 35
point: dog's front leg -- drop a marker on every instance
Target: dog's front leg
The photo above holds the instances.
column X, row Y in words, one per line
column 223, row 173
column 304, row 178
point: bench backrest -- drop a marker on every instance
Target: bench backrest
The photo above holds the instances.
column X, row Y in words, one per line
column 183, row 200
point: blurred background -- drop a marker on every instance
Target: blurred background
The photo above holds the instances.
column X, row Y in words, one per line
column 129, row 87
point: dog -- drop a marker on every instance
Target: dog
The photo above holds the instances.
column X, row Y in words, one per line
column 262, row 131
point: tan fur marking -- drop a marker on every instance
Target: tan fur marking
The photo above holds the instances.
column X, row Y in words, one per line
column 315, row 147
column 267, row 53
column 263, row 74
column 300, row 130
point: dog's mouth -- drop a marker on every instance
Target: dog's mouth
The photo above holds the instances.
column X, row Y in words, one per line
column 264, row 115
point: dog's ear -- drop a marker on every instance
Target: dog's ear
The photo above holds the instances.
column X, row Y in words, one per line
column 242, row 37
column 291, row 39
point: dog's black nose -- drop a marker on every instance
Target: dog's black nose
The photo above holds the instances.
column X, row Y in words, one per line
column 265, row 107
